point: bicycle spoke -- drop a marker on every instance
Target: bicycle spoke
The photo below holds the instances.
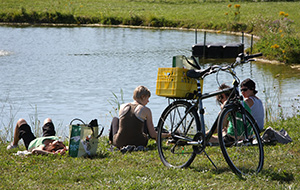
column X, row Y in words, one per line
column 241, row 146
column 175, row 151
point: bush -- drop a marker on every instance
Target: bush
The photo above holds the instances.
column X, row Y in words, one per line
column 278, row 39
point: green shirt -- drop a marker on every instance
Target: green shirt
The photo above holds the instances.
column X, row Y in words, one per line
column 40, row 141
column 239, row 122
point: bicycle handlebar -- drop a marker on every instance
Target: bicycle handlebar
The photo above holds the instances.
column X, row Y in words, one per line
column 242, row 58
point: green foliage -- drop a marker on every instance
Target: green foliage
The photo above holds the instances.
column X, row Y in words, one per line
column 133, row 20
column 279, row 40
column 234, row 12
column 34, row 17
column 160, row 22
column 284, row 49
column 116, row 102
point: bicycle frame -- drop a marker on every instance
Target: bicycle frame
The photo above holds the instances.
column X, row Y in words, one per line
column 199, row 106
column 234, row 95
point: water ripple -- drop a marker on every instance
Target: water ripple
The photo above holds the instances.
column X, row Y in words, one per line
column 4, row 53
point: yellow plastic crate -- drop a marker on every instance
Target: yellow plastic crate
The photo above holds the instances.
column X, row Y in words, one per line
column 173, row 83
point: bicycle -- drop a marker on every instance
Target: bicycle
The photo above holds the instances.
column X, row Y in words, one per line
column 244, row 154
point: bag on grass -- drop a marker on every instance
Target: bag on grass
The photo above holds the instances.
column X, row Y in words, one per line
column 273, row 136
column 83, row 139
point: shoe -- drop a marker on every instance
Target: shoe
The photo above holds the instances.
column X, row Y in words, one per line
column 123, row 150
column 228, row 140
column 139, row 148
column 128, row 148
column 11, row 146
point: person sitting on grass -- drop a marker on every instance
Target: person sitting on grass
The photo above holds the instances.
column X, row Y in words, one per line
column 228, row 129
column 48, row 144
column 257, row 109
column 134, row 124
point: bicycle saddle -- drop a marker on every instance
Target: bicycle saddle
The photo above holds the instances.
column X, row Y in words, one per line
column 197, row 73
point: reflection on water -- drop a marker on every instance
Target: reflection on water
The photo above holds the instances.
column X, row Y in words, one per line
column 4, row 53
column 281, row 92
column 280, row 72
column 73, row 72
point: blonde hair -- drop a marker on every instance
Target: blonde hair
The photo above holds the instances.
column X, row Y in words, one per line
column 141, row 92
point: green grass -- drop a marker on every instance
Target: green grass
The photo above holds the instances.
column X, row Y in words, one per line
column 188, row 13
column 144, row 170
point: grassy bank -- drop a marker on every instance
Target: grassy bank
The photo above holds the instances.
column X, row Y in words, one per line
column 144, row 170
column 278, row 32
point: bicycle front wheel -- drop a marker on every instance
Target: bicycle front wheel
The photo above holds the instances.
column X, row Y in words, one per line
column 182, row 122
column 240, row 140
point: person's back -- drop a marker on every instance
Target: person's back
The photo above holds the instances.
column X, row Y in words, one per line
column 135, row 123
column 130, row 129
column 257, row 111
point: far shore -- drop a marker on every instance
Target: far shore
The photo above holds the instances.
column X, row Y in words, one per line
column 145, row 27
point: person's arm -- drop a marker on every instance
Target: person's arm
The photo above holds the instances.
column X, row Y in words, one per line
column 150, row 125
column 61, row 151
column 40, row 150
column 249, row 101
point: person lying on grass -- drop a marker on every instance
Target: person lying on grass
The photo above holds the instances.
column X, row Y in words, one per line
column 48, row 144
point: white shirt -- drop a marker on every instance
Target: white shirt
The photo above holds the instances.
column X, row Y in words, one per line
column 257, row 111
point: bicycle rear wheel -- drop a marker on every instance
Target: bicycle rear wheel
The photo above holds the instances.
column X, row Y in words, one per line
column 243, row 152
column 182, row 122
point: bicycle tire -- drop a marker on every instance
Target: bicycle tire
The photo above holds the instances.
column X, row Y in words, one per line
column 172, row 151
column 245, row 157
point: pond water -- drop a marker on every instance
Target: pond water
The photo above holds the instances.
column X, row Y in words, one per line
column 76, row 72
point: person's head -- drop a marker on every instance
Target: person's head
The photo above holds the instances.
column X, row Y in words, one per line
column 54, row 146
column 221, row 98
column 248, row 85
column 47, row 120
column 141, row 93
